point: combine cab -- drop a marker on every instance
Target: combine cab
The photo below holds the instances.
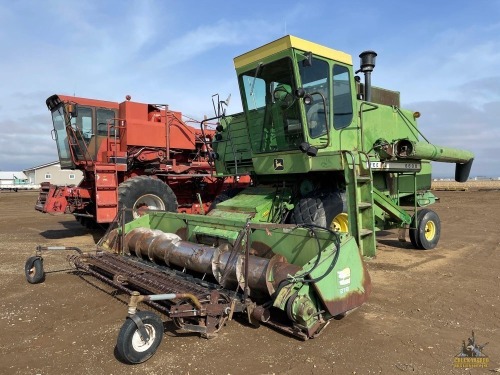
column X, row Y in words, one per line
column 332, row 161
column 132, row 155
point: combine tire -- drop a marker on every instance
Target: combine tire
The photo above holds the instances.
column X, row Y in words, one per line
column 130, row 346
column 33, row 269
column 327, row 210
column 425, row 235
column 143, row 191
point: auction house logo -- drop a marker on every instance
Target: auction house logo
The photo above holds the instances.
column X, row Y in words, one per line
column 471, row 355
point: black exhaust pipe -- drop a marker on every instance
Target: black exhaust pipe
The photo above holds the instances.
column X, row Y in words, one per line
column 367, row 65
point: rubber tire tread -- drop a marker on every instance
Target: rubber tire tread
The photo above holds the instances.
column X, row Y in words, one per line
column 417, row 235
column 133, row 188
column 320, row 208
column 124, row 348
column 39, row 275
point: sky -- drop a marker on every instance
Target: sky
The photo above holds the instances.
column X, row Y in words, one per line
column 443, row 56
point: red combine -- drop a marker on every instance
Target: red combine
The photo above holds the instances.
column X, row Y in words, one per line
column 132, row 155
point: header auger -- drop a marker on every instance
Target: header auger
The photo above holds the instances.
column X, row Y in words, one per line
column 332, row 161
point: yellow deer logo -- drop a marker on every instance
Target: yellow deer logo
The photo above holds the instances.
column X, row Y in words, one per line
column 278, row 164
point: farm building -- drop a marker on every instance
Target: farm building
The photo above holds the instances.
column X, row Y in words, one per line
column 14, row 181
column 52, row 172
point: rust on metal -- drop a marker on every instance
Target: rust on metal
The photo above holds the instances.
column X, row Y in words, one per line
column 351, row 300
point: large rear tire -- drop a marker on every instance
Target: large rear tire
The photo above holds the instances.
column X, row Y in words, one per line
column 325, row 209
column 144, row 191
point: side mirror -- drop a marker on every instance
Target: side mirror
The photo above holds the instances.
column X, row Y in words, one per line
column 309, row 60
column 301, row 93
column 306, row 148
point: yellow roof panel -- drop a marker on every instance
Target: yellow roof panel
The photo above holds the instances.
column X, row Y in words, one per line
column 287, row 42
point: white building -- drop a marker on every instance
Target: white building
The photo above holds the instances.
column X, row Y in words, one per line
column 52, row 173
column 14, row 181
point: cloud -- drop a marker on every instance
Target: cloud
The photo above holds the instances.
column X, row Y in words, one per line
column 94, row 49
column 205, row 38
column 180, row 54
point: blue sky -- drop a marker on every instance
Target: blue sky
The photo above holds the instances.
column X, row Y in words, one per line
column 443, row 56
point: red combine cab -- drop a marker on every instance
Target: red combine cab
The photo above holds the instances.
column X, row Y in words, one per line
column 132, row 155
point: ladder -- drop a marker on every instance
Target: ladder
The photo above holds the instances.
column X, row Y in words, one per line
column 359, row 192
column 106, row 192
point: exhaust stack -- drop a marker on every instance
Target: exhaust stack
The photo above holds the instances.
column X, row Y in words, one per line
column 366, row 66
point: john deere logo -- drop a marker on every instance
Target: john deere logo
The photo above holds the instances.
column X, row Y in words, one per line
column 471, row 355
column 278, row 164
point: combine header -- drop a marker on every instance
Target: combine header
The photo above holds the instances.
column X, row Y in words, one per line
column 332, row 161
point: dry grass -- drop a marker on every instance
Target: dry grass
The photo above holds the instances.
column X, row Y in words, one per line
column 469, row 185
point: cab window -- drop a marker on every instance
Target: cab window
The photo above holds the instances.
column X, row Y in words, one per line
column 104, row 118
column 315, row 83
column 84, row 122
column 342, row 97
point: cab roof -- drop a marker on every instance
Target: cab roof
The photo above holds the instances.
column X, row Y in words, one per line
column 288, row 42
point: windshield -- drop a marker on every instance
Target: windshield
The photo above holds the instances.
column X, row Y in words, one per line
column 273, row 111
column 75, row 142
column 61, row 137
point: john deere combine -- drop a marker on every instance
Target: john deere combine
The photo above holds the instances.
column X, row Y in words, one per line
column 332, row 160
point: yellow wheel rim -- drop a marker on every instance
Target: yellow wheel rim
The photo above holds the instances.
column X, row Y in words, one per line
column 340, row 223
column 430, row 230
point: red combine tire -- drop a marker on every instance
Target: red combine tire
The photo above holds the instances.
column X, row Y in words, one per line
column 144, row 191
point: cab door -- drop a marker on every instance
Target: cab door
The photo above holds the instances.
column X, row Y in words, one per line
column 315, row 82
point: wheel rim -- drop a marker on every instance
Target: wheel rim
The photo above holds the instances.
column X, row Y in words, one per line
column 32, row 271
column 151, row 201
column 340, row 223
column 430, row 230
column 138, row 344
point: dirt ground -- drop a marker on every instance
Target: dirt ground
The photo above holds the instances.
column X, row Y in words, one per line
column 423, row 305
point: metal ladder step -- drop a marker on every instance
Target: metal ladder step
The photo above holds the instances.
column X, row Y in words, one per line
column 365, row 232
column 364, row 205
column 363, row 178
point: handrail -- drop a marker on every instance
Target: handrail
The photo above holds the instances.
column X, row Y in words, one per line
column 374, row 106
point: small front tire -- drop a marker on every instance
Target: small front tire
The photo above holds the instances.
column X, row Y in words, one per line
column 131, row 347
column 425, row 235
column 33, row 269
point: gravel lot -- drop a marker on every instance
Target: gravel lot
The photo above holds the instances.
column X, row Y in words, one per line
column 423, row 304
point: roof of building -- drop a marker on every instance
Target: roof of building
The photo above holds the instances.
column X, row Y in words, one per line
column 41, row 166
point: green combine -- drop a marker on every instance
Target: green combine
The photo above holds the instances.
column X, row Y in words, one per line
column 332, row 161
